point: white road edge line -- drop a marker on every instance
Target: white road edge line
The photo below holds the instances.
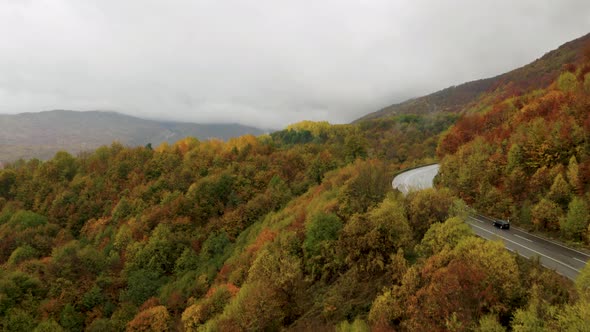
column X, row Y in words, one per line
column 518, row 229
column 533, row 250
column 555, row 243
column 579, row 260
column 522, row 237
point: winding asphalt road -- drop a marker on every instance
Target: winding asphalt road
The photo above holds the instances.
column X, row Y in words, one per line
column 553, row 255
column 415, row 179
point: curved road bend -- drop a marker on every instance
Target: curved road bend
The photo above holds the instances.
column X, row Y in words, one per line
column 553, row 255
column 415, row 179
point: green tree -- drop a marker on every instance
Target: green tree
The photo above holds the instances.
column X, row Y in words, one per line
column 63, row 167
column 442, row 236
column 122, row 210
column 322, row 227
column 560, row 191
column 573, row 175
column 491, row 201
column 489, row 323
column 7, row 180
column 575, row 224
column 278, row 272
column 100, row 325
column 253, row 310
column 124, row 314
column 546, row 214
column 123, row 237
column 214, row 252
column 22, row 253
column 355, row 147
column 322, row 163
column 22, row 220
column 459, row 209
column 159, row 254
column 515, row 186
column 533, row 317
column 92, row 298
column 71, row 319
column 278, row 192
column 426, row 207
column 567, row 82
column 197, row 314
column 587, row 83
column 574, row 317
column 276, row 269
column 469, row 169
column 524, row 213
column 369, row 241
column 16, row 287
column 583, row 281
column 49, row 325
column 386, row 308
column 515, row 158
column 365, row 189
column 188, row 260
column 141, row 285
column 358, row 325
column 18, row 320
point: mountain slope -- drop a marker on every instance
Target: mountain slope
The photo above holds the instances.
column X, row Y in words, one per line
column 40, row 135
column 537, row 74
column 527, row 157
column 294, row 231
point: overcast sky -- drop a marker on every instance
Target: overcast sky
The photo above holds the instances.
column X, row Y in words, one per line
column 266, row 63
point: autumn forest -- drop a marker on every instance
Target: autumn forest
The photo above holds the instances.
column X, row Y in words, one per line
column 300, row 230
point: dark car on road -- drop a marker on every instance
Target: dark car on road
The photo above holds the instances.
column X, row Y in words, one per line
column 504, row 224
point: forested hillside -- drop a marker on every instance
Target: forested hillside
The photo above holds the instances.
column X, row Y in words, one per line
column 298, row 230
column 41, row 135
column 186, row 235
column 527, row 157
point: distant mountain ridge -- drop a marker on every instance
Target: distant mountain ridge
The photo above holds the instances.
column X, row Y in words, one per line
column 537, row 74
column 40, row 135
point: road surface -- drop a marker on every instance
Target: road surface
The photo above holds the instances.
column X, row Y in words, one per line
column 553, row 255
column 415, row 179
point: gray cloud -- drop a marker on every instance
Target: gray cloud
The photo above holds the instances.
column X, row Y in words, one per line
column 265, row 62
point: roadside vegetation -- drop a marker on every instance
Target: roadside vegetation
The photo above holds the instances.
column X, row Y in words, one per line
column 527, row 157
